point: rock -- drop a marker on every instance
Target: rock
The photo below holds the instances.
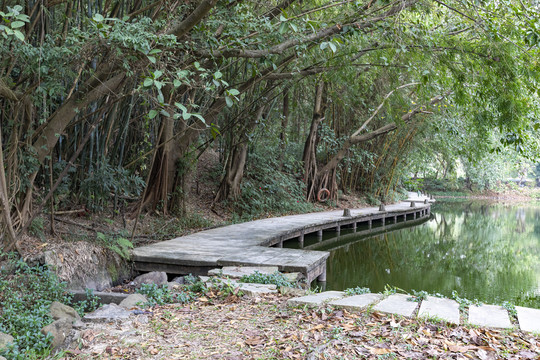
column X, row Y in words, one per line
column 133, row 300
column 173, row 286
column 257, row 289
column 78, row 324
column 2, row 358
column 59, row 330
column 285, row 290
column 179, row 280
column 102, row 297
column 5, row 339
column 239, row 271
column 154, row 277
column 90, row 266
column 61, row 311
column 109, row 312
column 293, row 277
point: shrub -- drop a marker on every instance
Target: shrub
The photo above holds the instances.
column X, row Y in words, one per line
column 357, row 291
column 276, row 278
column 26, row 296
column 161, row 295
column 267, row 190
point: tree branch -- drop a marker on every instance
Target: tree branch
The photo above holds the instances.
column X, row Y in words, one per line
column 181, row 28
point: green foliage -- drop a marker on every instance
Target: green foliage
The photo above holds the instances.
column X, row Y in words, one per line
column 37, row 227
column 268, row 191
column 117, row 243
column 12, row 22
column 90, row 304
column 25, row 298
column 464, row 302
column 418, row 296
column 414, row 184
column 357, row 291
column 156, row 295
column 104, row 180
column 276, row 278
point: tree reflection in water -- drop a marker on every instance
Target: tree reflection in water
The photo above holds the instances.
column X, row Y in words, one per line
column 488, row 251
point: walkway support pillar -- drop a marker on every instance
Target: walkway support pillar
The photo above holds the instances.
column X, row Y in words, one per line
column 322, row 275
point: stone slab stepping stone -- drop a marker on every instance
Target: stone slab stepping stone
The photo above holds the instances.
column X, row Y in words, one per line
column 356, row 302
column 444, row 309
column 239, row 271
column 257, row 289
column 397, row 304
column 106, row 313
column 317, row 299
column 529, row 319
column 489, row 316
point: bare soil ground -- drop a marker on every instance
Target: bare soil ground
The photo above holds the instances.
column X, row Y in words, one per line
column 266, row 328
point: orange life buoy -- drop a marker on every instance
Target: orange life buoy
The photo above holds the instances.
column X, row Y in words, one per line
column 323, row 195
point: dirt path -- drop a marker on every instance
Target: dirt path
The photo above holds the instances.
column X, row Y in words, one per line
column 266, row 328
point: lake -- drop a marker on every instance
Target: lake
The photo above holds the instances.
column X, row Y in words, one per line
column 480, row 249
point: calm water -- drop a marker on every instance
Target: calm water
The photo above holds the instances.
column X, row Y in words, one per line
column 487, row 251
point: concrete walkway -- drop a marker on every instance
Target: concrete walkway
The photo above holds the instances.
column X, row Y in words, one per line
column 249, row 243
column 447, row 310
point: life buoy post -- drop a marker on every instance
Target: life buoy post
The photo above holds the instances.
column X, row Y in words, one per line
column 323, row 195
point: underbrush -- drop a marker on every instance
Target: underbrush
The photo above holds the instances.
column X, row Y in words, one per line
column 270, row 189
column 276, row 278
column 26, row 294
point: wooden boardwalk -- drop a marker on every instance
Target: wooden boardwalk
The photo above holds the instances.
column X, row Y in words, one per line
column 250, row 243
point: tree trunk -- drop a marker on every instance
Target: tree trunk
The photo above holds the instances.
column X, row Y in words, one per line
column 310, row 148
column 283, row 131
column 236, row 162
column 163, row 171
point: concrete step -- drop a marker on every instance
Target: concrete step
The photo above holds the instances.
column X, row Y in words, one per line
column 444, row 309
column 489, row 316
column 356, row 302
column 317, row 299
column 398, row 304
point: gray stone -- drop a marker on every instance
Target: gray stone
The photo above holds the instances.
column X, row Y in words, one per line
column 59, row 330
column 109, row 312
column 489, row 316
column 154, row 277
column 78, row 324
column 61, row 311
column 293, row 277
column 132, row 300
column 289, row 291
column 103, row 297
column 316, row 299
column 173, row 286
column 356, row 302
column 257, row 289
column 179, row 280
column 444, row 309
column 204, row 278
column 529, row 319
column 2, row 358
column 397, row 304
column 5, row 339
column 239, row 271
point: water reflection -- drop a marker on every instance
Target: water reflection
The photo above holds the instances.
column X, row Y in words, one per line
column 488, row 251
